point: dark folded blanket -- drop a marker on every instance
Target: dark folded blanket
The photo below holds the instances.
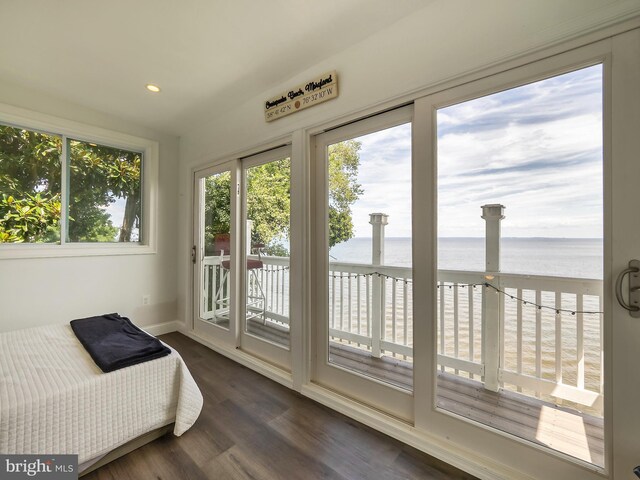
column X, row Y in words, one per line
column 114, row 342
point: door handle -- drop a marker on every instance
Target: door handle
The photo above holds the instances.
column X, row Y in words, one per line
column 634, row 288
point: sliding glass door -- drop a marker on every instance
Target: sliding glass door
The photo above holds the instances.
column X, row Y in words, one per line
column 266, row 220
column 241, row 254
column 214, row 252
column 520, row 261
column 363, row 246
column 516, row 235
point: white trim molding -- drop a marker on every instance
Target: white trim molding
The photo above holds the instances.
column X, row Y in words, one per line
column 28, row 119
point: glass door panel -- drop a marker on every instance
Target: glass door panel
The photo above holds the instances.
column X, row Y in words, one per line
column 214, row 251
column 365, row 337
column 267, row 213
column 520, row 261
column 369, row 222
column 216, row 265
column 268, row 188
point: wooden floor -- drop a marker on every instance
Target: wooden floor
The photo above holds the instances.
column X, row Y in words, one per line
column 254, row 428
column 576, row 434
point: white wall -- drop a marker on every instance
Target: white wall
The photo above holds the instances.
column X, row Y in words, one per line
column 55, row 290
column 444, row 40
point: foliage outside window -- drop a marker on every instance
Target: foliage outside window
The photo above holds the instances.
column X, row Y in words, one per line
column 30, row 186
column 104, row 193
column 269, row 197
column 103, row 190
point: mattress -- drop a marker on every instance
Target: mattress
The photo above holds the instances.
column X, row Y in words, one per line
column 55, row 400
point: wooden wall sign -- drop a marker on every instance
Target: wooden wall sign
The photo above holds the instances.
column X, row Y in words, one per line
column 318, row 90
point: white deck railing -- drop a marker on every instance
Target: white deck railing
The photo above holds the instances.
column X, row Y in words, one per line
column 536, row 351
column 273, row 278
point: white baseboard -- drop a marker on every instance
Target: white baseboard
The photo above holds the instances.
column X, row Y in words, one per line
column 162, row 328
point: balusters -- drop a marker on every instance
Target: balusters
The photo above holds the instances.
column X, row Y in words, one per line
column 405, row 315
column 580, row 340
column 471, row 327
column 368, row 302
column 341, row 301
column 358, row 303
column 456, row 336
column 349, row 307
column 538, row 337
column 601, row 318
column 393, row 312
column 558, row 365
column 332, row 280
column 519, row 333
column 276, row 281
column 442, row 351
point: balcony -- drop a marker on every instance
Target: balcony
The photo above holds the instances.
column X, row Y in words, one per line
column 519, row 353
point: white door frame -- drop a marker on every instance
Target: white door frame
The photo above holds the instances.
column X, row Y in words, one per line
column 467, row 433
column 225, row 336
column 255, row 345
column 381, row 395
column 623, row 385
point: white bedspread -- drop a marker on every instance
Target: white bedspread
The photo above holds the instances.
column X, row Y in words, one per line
column 54, row 399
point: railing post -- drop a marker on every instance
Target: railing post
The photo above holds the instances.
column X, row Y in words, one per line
column 491, row 305
column 377, row 221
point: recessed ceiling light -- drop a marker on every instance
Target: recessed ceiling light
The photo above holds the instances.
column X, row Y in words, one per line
column 153, row 88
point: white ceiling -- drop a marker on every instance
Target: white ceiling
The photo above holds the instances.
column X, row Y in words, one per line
column 206, row 55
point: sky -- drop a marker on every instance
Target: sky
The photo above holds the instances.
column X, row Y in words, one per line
column 385, row 176
column 116, row 212
column 536, row 149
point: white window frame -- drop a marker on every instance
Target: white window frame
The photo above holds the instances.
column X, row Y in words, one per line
column 68, row 129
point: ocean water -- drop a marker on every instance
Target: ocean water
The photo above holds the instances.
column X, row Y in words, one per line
column 562, row 257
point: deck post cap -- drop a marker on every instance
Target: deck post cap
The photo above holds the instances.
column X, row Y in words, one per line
column 493, row 210
column 378, row 218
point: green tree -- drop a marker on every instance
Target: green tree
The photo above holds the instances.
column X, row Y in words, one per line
column 99, row 176
column 30, row 187
column 269, row 197
column 30, row 177
column 217, row 208
column 344, row 190
column 269, row 205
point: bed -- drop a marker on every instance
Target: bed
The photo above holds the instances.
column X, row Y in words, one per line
column 55, row 400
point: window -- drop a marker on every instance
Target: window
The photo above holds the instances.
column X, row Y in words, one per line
column 104, row 193
column 77, row 191
column 30, row 186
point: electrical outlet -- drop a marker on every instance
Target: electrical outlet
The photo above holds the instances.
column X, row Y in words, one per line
column 146, row 299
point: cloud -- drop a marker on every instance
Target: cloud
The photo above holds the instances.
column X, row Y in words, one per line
column 537, row 149
column 385, row 176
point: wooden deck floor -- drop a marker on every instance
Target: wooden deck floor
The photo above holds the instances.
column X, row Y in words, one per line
column 574, row 433
column 570, row 432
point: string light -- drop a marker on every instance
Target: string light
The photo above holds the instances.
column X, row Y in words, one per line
column 276, row 269
column 487, row 285
column 557, row 311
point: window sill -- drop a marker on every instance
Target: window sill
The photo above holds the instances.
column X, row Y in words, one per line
column 21, row 251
